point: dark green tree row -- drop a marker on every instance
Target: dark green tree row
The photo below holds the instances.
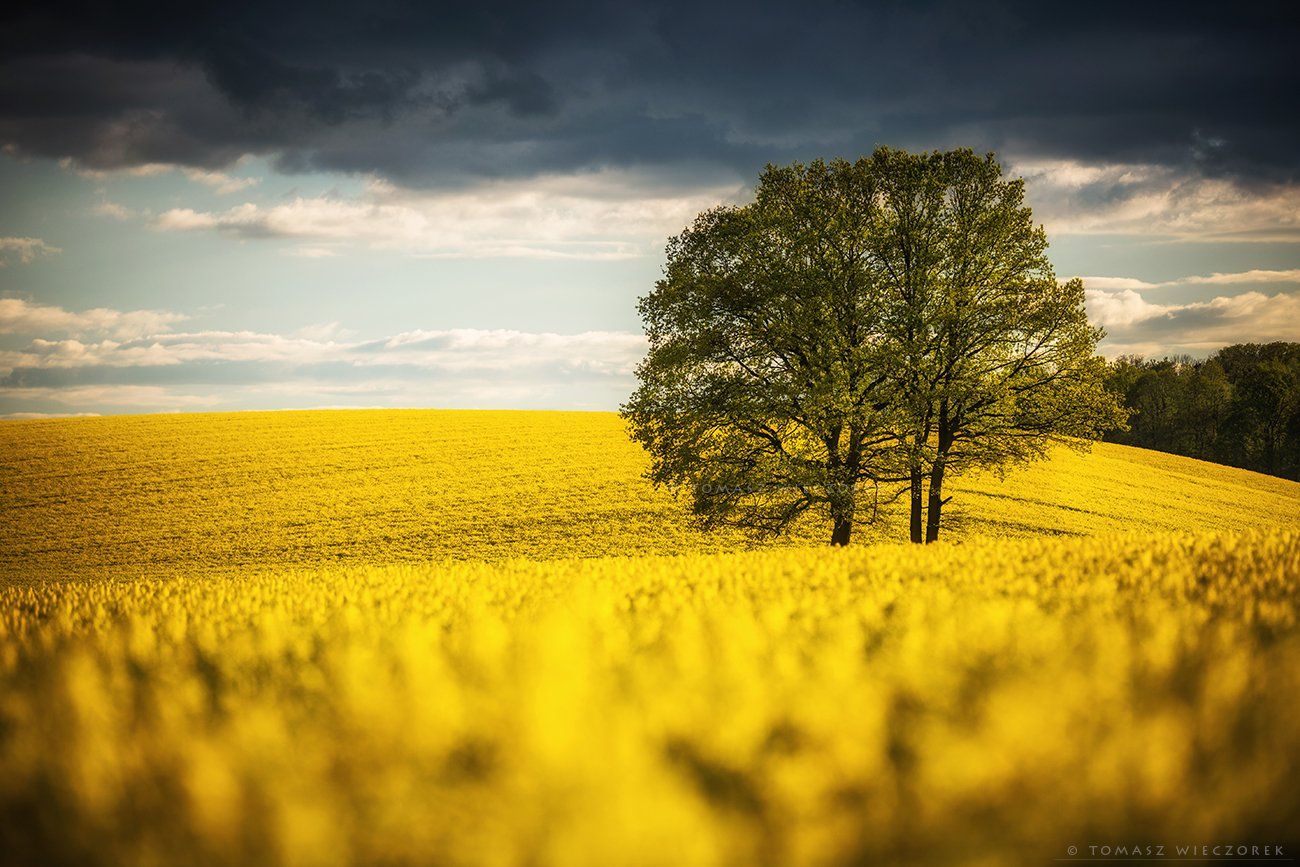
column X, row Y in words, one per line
column 1240, row 406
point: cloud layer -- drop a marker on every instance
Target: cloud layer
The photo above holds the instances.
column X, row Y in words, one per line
column 1136, row 326
column 105, row 360
column 19, row 316
column 605, row 215
column 1255, row 275
column 433, row 93
column 1171, row 201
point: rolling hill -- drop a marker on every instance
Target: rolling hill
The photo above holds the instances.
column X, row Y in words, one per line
column 215, row 492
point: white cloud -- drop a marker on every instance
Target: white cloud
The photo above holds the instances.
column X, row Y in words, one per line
column 144, row 170
column 19, row 316
column 1121, row 307
column 602, row 352
column 1117, row 283
column 605, row 353
column 322, row 366
column 24, row 250
column 604, row 215
column 1135, row 325
column 1071, row 197
column 166, row 349
column 220, row 182
column 1253, row 276
column 188, row 219
column 134, row 396
column 112, row 210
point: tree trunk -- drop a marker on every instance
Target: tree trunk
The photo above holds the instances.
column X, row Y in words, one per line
column 934, row 510
column 841, row 531
column 918, row 501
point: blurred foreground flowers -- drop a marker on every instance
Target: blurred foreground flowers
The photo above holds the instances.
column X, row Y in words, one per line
column 986, row 703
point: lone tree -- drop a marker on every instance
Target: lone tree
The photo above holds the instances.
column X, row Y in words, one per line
column 764, row 390
column 992, row 359
column 860, row 330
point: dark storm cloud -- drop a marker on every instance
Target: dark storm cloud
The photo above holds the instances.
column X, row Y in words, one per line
column 431, row 92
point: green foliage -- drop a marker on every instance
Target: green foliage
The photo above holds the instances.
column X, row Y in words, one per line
column 1241, row 406
column 764, row 386
column 857, row 328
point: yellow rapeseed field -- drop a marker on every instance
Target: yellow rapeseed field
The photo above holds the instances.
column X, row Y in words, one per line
column 992, row 702
column 381, row 639
column 150, row 495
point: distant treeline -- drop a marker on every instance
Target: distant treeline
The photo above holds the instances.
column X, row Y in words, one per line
column 1240, row 406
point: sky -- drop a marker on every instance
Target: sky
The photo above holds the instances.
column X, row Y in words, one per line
column 217, row 206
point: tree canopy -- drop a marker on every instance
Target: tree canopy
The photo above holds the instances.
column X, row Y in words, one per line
column 857, row 332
